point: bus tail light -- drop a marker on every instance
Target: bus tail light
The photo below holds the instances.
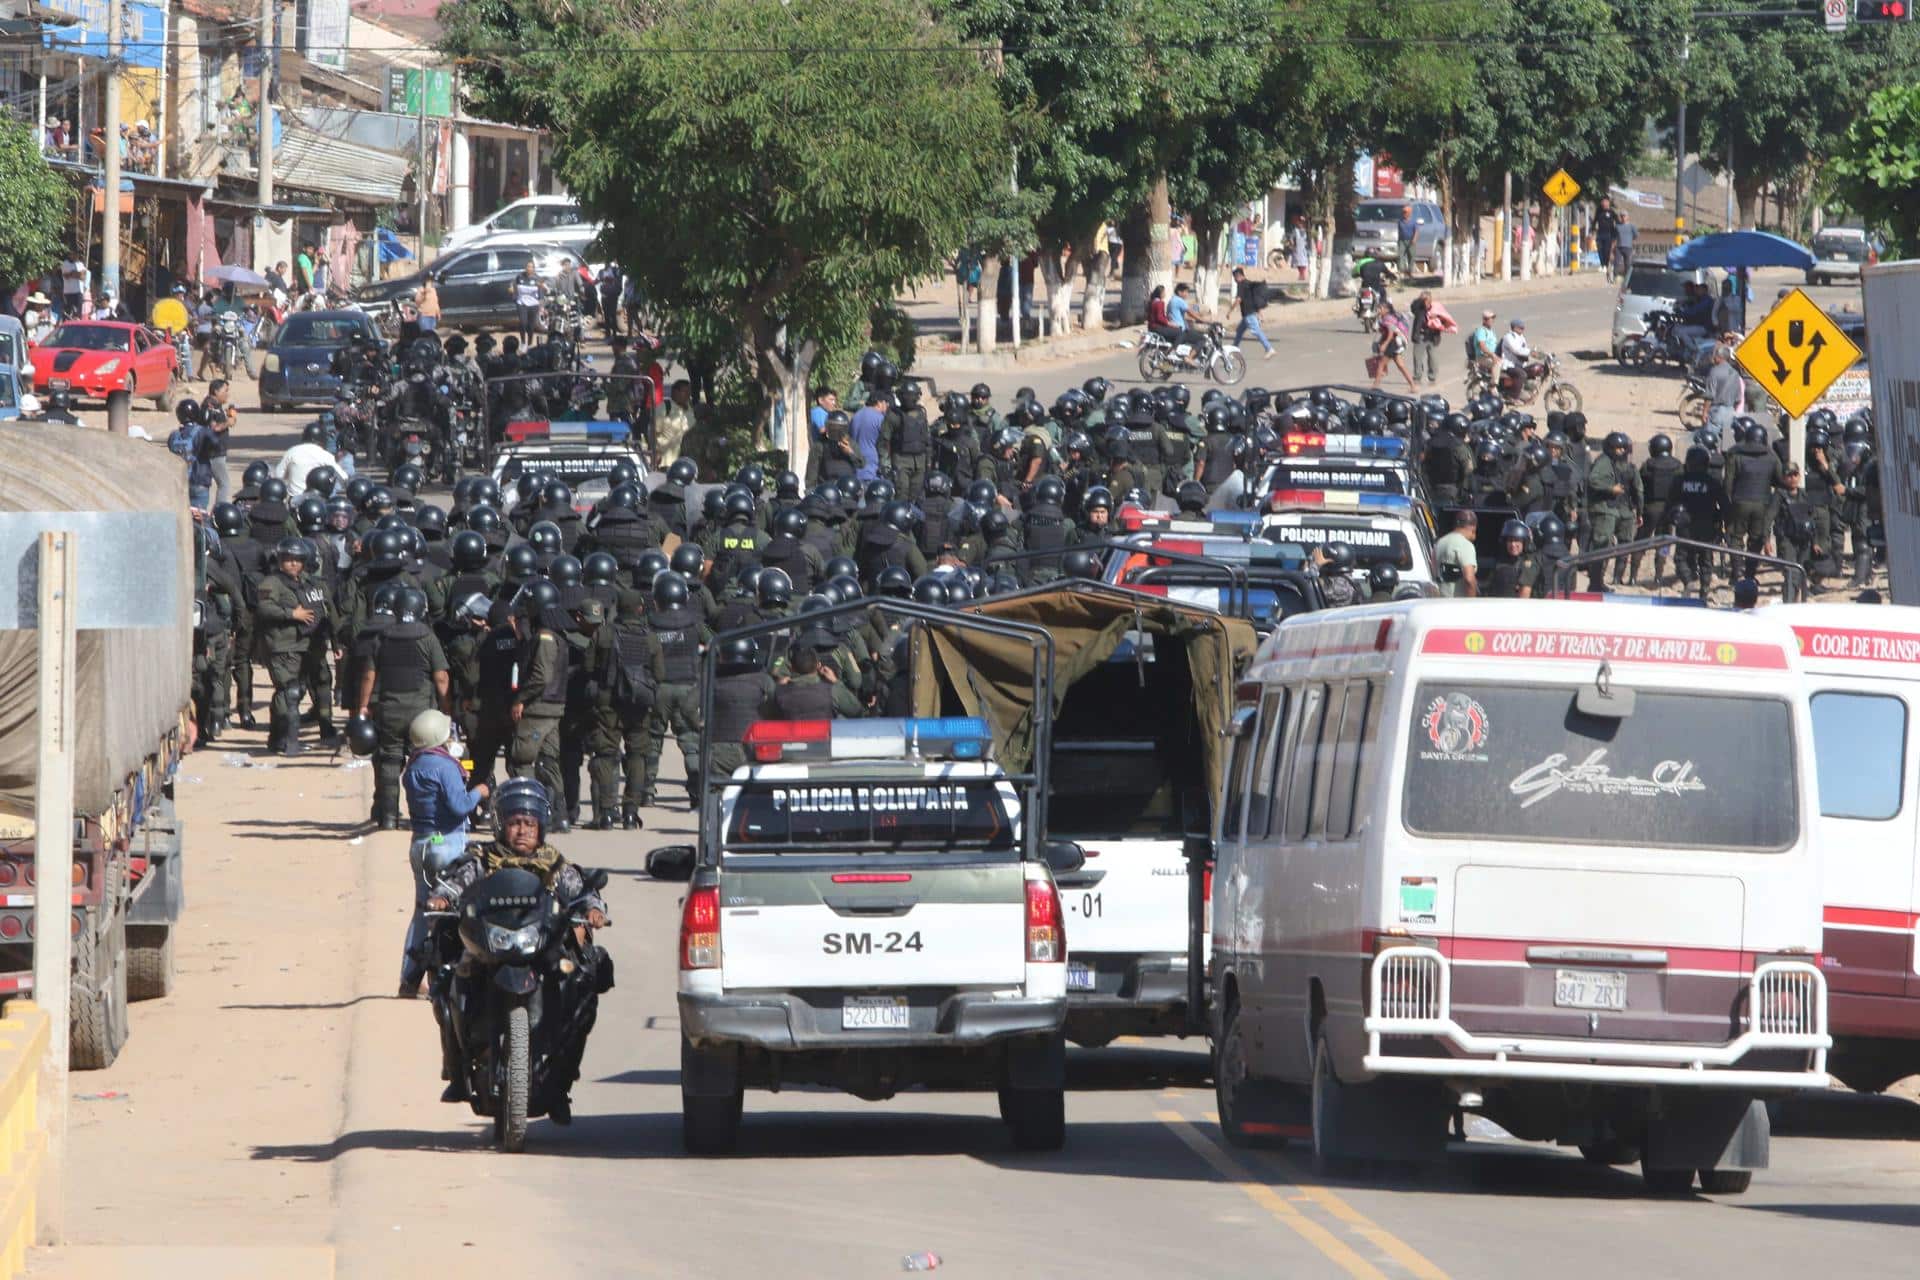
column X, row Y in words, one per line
column 700, row 928
column 1046, row 934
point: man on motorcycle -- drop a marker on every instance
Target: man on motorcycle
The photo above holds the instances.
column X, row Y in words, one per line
column 1483, row 346
column 520, row 815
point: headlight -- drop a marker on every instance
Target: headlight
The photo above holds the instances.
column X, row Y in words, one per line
column 109, row 367
column 525, row 940
column 271, row 364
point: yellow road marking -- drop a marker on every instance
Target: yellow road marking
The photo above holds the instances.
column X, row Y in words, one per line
column 1330, row 1245
column 1414, row 1262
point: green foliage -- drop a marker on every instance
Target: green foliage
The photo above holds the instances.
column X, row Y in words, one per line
column 34, row 203
column 1876, row 168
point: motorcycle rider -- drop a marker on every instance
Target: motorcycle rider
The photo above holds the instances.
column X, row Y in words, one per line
column 439, row 801
column 520, row 822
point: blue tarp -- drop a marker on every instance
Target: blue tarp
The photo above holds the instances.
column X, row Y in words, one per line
column 391, row 250
column 1733, row 249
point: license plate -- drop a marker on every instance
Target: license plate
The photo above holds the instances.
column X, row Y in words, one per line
column 882, row 1013
column 1079, row 977
column 1836, row 257
column 1587, row 989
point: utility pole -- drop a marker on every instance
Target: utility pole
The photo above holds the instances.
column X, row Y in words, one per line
column 420, row 166
column 1680, row 157
column 263, row 120
column 110, row 161
column 53, row 853
column 1506, row 226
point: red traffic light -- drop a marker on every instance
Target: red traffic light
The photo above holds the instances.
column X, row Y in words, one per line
column 1882, row 11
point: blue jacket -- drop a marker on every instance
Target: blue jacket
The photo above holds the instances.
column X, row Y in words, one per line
column 438, row 798
column 866, row 438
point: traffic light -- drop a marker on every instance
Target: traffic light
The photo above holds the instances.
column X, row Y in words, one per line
column 1882, row 10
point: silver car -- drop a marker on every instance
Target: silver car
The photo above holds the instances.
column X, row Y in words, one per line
column 1376, row 230
column 1838, row 254
column 1651, row 285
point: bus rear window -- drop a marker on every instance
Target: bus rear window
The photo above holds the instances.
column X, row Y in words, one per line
column 875, row 816
column 1514, row 762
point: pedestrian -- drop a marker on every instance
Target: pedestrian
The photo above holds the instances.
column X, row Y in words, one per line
column 75, row 284
column 1623, row 238
column 1606, row 233
column 37, row 319
column 1252, row 298
column 1404, row 232
column 867, row 437
column 528, row 292
column 1430, row 322
column 220, row 414
column 439, row 802
column 427, row 303
column 1299, row 246
column 672, row 424
column 1457, row 558
column 1390, row 347
column 1725, row 392
column 322, row 277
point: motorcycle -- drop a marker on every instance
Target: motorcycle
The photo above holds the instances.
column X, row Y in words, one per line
column 515, row 991
column 1212, row 354
column 1366, row 306
column 228, row 344
column 1694, row 403
column 1657, row 345
column 1538, row 378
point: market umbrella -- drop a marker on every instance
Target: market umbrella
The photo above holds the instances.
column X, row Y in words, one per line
column 236, row 275
column 1732, row 250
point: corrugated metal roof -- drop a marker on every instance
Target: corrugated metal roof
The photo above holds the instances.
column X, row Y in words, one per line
column 308, row 160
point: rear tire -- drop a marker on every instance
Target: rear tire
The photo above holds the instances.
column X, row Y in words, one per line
column 1329, row 1150
column 149, row 962
column 510, row 1125
column 1230, row 1082
column 1038, row 1117
column 710, row 1126
column 97, row 1004
column 1152, row 368
column 1667, row 1182
column 1725, row 1182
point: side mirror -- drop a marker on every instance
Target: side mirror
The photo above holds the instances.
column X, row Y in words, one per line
column 672, row 862
column 1064, row 856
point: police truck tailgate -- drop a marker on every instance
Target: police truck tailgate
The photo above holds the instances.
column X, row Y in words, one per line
column 1130, row 897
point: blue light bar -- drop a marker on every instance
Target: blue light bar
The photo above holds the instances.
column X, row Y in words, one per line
column 962, row 737
column 1384, row 446
column 1236, row 519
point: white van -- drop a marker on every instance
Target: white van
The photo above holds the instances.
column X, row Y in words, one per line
column 1863, row 685
column 1546, row 861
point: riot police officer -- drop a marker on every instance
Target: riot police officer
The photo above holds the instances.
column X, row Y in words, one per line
column 1658, row 476
column 1613, row 499
column 540, row 699
column 291, row 609
column 407, row 675
column 677, row 625
column 1045, row 528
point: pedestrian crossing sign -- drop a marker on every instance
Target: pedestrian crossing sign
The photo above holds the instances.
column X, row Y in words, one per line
column 1561, row 188
column 1796, row 352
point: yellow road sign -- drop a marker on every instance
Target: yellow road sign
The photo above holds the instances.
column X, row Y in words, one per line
column 1796, row 352
column 1561, row 188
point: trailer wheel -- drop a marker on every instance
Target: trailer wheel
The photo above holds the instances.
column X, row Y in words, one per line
column 97, row 1005
column 149, row 961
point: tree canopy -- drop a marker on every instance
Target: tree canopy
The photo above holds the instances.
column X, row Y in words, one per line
column 34, row 203
column 1877, row 167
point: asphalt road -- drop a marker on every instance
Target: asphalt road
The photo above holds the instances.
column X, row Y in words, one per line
column 285, row 1099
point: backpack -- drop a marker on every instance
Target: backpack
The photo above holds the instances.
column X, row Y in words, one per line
column 184, row 440
column 630, row 680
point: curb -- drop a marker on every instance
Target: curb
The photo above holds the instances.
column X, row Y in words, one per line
column 1280, row 315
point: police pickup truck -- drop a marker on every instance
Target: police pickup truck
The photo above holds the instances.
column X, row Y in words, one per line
column 580, row 453
column 871, row 907
column 1382, row 528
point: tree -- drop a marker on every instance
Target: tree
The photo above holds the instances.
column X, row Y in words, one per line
column 34, row 203
column 767, row 165
column 1876, row 169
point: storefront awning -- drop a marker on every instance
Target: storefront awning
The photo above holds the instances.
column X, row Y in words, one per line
column 309, row 160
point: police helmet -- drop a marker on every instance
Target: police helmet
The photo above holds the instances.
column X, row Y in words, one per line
column 272, row 490
column 1051, row 490
column 684, row 471
column 1513, row 529
column 688, row 560
column 651, row 564
column 894, row 582
column 624, row 496
column 739, row 506
column 431, row 522
column 187, row 411
column 960, row 589
column 993, row 524
column 469, row 551
column 556, row 494
column 790, row 522
column 407, row 478
column 386, row 549
column 1661, row 446
column 1818, row 438
column 931, row 589
column 1616, row 445
column 670, row 590
column 909, row 394
column 953, row 406
column 380, row 499
column 840, row 567
column 522, row 564
column 1754, row 434
column 1191, row 497
column 1339, row 559
column 1383, row 578
column 774, row 590
column 362, row 736
column 483, row 520
column 899, row 515
column 1550, row 528
column 1096, row 389
column 841, row 588
column 870, row 365
column 622, row 473
column 311, row 515
column 256, row 472
column 564, row 571
column 1080, row 562
column 713, row 507
column 938, row 484
column 229, row 521
column 386, row 599
column 982, row 493
column 411, row 606
column 546, row 538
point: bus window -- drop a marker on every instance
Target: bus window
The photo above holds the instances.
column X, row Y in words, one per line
column 1273, row 714
column 1237, row 774
column 1346, row 759
column 1306, row 749
column 1328, row 764
column 1860, row 754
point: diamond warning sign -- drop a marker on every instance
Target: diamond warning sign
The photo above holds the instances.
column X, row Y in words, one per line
column 1796, row 352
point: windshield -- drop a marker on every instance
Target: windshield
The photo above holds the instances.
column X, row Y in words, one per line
column 880, row 816
column 10, row 349
column 1370, row 546
column 1378, row 211
column 1518, row 762
column 1851, row 248
column 89, row 337
column 1658, row 282
column 321, row 331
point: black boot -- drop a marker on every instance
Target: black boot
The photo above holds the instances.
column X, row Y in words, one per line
column 247, row 720
column 330, row 736
column 290, row 744
column 603, row 819
column 630, row 819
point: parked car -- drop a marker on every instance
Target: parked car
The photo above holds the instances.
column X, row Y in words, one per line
column 579, row 240
column 1376, row 229
column 94, row 357
column 1651, row 285
column 15, row 400
column 298, row 366
column 1839, row 253
column 13, row 348
column 558, row 215
column 475, row 285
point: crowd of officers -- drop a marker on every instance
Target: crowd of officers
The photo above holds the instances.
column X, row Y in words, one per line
column 1561, row 492
column 560, row 640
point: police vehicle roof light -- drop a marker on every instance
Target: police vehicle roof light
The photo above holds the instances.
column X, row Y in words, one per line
column 1338, row 500
column 595, row 432
column 1384, row 446
column 1296, row 443
column 889, row 738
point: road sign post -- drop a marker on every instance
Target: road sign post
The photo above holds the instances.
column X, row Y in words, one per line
column 1796, row 352
column 1561, row 188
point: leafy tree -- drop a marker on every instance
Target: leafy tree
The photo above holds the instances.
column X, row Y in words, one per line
column 1876, row 168
column 767, row 165
column 34, row 203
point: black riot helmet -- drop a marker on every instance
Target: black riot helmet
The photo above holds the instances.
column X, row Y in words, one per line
column 357, row 490
column 980, row 393
column 311, row 515
column 1051, row 490
column 1513, row 529
column 930, row 590
column 899, row 515
column 786, row 486
column 322, row 480
column 739, row 506
column 870, row 365
column 522, row 563
column 556, row 494
column 651, row 564
column 895, row 582
column 256, row 472
column 564, row 571
column 1383, row 579
column 386, row 549
column 229, row 521
column 273, row 490
column 683, row 471
column 790, row 522
column 1080, row 562
column 687, row 560
column 469, row 551
column 1616, row 445
column 840, row 567
column 546, row 538
column 620, row 473
column 753, row 476
column 599, row 569
column 774, row 590
column 1339, row 559
column 483, row 520
column 535, row 597
column 938, row 484
column 670, row 590
column 713, row 507
column 407, row 479
column 1661, row 446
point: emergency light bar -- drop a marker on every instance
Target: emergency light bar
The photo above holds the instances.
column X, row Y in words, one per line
column 1298, row 442
column 1339, row 500
column 1135, row 520
column 575, row 432
column 951, row 737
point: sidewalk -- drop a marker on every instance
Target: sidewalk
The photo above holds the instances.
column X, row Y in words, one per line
column 937, row 354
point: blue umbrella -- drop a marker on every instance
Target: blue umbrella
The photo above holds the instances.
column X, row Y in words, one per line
column 389, row 247
column 1733, row 250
